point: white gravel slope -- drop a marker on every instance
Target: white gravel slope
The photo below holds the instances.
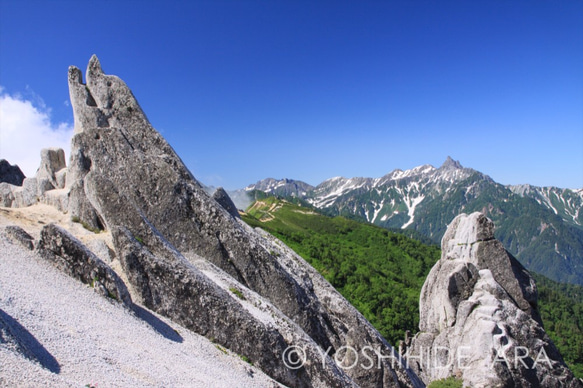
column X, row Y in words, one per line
column 78, row 337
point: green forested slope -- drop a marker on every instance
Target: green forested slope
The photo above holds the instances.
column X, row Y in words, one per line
column 381, row 272
column 561, row 308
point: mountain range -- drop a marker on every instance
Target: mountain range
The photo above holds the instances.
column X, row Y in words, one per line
column 541, row 226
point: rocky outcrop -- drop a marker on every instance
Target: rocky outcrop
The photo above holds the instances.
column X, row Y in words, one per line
column 20, row 236
column 221, row 196
column 69, row 255
column 28, row 194
column 47, row 186
column 52, row 167
column 11, row 174
column 188, row 258
column 169, row 284
column 6, row 194
column 479, row 318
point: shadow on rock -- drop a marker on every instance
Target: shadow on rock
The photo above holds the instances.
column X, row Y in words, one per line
column 157, row 324
column 23, row 342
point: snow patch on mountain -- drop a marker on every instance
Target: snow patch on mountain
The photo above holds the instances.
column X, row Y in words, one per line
column 412, row 204
column 566, row 203
column 377, row 208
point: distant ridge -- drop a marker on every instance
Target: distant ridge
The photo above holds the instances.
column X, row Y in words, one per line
column 541, row 226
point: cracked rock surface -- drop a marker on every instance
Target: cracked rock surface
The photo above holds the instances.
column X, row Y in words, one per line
column 124, row 177
column 479, row 317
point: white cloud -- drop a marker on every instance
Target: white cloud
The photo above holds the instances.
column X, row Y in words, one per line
column 25, row 129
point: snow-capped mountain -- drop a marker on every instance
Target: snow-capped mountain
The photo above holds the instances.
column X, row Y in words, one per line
column 565, row 203
column 542, row 226
column 282, row 187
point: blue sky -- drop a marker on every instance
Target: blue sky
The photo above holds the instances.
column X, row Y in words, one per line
column 245, row 90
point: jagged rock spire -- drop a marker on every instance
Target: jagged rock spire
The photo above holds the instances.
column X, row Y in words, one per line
column 479, row 318
column 182, row 252
column 450, row 164
column 104, row 101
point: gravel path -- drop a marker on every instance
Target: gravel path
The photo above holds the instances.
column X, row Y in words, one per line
column 74, row 337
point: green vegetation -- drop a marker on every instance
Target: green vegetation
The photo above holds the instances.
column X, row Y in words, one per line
column 85, row 225
column 561, row 308
column 238, row 293
column 546, row 240
column 380, row 272
column 93, row 281
column 246, row 359
column 450, row 382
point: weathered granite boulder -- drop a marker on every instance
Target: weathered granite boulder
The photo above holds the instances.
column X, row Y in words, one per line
column 47, row 186
column 58, row 198
column 125, row 177
column 479, row 318
column 19, row 235
column 6, row 194
column 10, row 173
column 52, row 167
column 169, row 284
column 27, row 194
column 69, row 255
column 221, row 196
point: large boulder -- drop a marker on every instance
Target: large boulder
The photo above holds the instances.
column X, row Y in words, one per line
column 479, row 317
column 169, row 284
column 19, row 236
column 72, row 257
column 52, row 167
column 27, row 195
column 125, row 177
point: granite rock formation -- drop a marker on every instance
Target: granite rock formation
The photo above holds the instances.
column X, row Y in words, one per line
column 479, row 318
column 221, row 196
column 47, row 186
column 52, row 167
column 187, row 257
column 69, row 255
column 20, row 236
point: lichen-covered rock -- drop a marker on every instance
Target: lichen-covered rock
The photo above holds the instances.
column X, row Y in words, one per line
column 19, row 235
column 124, row 176
column 101, row 250
column 479, row 318
column 69, row 255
